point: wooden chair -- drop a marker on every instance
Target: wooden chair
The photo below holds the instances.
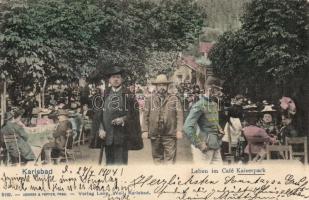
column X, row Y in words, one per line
column 11, row 147
column 2, row 155
column 299, row 141
column 86, row 125
column 68, row 151
column 285, row 150
column 229, row 157
column 77, row 143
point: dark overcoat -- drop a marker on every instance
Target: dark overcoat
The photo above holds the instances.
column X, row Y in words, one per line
column 130, row 133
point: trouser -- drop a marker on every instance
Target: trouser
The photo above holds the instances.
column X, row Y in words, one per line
column 210, row 156
column 164, row 150
column 51, row 150
column 225, row 150
column 15, row 160
column 116, row 154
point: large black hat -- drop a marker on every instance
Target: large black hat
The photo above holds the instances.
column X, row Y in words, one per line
column 115, row 70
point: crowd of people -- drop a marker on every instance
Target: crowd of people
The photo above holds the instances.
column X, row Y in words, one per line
column 215, row 126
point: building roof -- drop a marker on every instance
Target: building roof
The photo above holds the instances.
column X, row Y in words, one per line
column 190, row 61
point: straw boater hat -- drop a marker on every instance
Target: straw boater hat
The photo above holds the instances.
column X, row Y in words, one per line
column 268, row 109
column 161, row 79
column 251, row 107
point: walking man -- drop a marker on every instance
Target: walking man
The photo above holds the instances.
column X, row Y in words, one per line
column 204, row 113
column 163, row 122
column 117, row 124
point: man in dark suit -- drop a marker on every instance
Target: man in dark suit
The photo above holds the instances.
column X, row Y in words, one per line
column 115, row 123
column 55, row 147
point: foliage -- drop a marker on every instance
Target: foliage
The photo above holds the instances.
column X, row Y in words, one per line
column 161, row 63
column 63, row 39
column 270, row 46
column 47, row 39
column 144, row 28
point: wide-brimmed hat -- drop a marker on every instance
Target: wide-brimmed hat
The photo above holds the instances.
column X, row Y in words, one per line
column 250, row 106
column 161, row 79
column 114, row 70
column 268, row 109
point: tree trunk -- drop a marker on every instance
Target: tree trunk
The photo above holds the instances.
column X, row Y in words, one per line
column 43, row 93
column 3, row 103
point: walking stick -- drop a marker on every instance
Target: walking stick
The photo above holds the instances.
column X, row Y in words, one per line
column 101, row 154
column 37, row 159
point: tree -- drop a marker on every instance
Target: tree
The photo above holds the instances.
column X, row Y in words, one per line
column 161, row 63
column 63, row 39
column 47, row 39
column 145, row 27
column 268, row 50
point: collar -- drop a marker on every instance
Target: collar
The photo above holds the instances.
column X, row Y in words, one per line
column 207, row 98
column 116, row 89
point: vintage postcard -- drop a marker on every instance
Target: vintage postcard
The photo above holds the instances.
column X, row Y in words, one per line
column 154, row 99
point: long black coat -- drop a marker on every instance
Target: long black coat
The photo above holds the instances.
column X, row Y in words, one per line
column 131, row 131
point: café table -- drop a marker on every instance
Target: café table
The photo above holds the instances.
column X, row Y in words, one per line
column 38, row 136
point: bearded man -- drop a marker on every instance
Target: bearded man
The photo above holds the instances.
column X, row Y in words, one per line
column 163, row 122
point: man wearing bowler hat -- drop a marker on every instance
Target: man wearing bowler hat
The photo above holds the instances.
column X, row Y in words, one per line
column 117, row 124
column 163, row 122
column 204, row 113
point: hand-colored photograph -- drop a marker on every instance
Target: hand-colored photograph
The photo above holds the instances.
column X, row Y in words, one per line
column 154, row 99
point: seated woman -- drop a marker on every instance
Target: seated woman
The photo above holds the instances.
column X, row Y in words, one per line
column 54, row 148
column 256, row 137
column 287, row 129
column 267, row 122
column 15, row 126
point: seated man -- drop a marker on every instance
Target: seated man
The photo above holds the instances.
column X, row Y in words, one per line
column 74, row 122
column 54, row 148
column 15, row 126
